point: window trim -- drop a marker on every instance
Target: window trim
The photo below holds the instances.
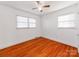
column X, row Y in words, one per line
column 69, row 21
column 28, row 23
column 32, row 23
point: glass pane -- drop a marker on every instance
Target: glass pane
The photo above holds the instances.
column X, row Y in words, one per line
column 69, row 17
column 21, row 19
column 31, row 20
column 32, row 25
column 22, row 25
column 66, row 24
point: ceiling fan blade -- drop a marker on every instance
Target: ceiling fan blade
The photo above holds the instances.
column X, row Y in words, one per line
column 34, row 8
column 38, row 2
column 46, row 6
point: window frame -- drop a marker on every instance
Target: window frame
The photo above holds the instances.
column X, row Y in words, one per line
column 67, row 21
column 31, row 22
column 27, row 23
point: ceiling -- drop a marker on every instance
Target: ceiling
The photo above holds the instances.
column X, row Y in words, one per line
column 28, row 5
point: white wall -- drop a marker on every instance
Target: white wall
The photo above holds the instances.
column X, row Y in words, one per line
column 67, row 36
column 46, row 26
column 9, row 35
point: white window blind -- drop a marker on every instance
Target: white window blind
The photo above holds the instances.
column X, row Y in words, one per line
column 25, row 22
column 32, row 22
column 66, row 21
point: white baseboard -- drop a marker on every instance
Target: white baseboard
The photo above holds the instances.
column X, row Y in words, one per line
column 78, row 50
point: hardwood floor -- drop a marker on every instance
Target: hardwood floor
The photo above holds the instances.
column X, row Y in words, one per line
column 39, row 47
column 78, row 54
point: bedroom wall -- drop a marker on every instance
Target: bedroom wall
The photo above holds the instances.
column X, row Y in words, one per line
column 9, row 35
column 46, row 26
column 68, row 36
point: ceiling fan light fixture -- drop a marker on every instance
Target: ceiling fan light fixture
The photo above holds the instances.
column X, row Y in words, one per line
column 40, row 8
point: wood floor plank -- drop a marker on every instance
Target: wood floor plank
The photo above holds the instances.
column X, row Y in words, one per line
column 40, row 47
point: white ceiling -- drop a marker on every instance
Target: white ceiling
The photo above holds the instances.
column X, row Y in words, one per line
column 28, row 5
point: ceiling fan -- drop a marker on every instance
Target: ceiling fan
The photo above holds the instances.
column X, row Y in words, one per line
column 41, row 6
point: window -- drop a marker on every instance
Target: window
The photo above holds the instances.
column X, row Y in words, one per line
column 24, row 22
column 32, row 23
column 66, row 21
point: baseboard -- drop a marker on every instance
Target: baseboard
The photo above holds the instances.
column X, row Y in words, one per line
column 19, row 42
column 78, row 50
column 39, row 37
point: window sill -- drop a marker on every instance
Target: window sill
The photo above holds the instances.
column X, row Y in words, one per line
column 66, row 28
column 26, row 28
